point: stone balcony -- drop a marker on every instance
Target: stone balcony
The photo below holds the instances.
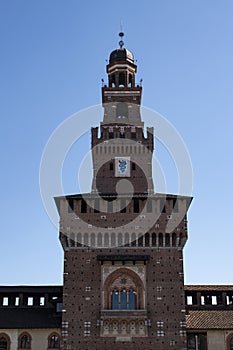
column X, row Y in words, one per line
column 124, row 324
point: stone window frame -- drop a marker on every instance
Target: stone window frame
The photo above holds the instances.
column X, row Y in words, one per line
column 7, row 338
column 108, row 287
column 49, row 341
column 20, row 339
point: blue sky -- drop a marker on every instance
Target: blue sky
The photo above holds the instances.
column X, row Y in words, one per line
column 53, row 56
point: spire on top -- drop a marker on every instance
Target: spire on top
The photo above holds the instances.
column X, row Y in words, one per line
column 121, row 42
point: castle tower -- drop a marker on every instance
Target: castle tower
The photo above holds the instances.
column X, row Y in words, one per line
column 123, row 263
column 122, row 135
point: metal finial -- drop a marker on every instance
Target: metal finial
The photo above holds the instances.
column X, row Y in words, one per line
column 121, row 42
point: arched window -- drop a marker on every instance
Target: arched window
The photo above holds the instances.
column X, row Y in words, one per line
column 122, row 80
column 54, row 341
column 173, row 239
column 112, row 81
column 130, row 83
column 124, row 290
column 99, row 240
column 147, row 239
column 231, row 344
column 123, row 305
column 115, row 299
column 4, row 342
column 93, row 240
column 167, row 240
column 153, row 239
column 120, row 239
column 24, row 341
column 160, row 239
column 106, row 240
column 86, row 239
column 126, row 239
column 140, row 241
column 132, row 299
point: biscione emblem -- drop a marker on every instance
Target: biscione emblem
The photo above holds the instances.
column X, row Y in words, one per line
column 122, row 166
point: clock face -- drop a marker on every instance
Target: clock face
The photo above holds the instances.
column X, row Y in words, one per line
column 122, row 167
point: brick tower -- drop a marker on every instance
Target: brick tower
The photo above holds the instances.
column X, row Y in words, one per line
column 123, row 242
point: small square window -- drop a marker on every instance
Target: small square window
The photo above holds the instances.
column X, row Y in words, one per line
column 182, row 333
column 65, row 324
column 160, row 333
column 182, row 324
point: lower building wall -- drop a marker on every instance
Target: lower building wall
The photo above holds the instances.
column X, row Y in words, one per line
column 216, row 340
column 39, row 337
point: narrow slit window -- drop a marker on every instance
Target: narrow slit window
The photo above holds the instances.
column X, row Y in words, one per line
column 5, row 301
column 70, row 206
column 136, row 205
column 123, row 206
column 83, row 206
column 42, row 301
column 30, row 301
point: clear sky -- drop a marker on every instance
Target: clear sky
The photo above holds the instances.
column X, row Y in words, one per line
column 53, row 56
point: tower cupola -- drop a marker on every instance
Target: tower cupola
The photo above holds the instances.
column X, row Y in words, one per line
column 121, row 68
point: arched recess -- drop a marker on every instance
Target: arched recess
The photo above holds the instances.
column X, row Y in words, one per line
column 160, row 239
column 54, row 341
column 24, row 341
column 147, row 239
column 174, row 239
column 120, row 280
column 182, row 239
column 167, row 240
column 230, row 342
column 4, row 341
column 153, row 239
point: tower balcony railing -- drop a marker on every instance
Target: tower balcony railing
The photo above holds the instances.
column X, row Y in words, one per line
column 137, row 85
column 124, row 323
